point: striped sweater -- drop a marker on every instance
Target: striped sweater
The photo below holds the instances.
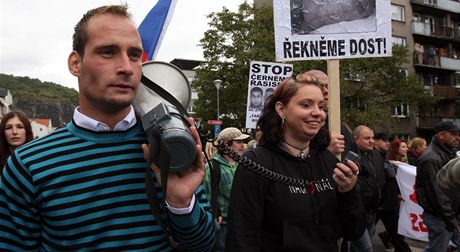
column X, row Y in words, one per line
column 78, row 190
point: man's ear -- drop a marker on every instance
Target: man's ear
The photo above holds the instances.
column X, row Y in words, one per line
column 279, row 107
column 73, row 63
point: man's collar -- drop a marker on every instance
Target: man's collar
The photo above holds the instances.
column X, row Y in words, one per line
column 89, row 123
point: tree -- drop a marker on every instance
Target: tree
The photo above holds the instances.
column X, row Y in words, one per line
column 371, row 88
column 236, row 38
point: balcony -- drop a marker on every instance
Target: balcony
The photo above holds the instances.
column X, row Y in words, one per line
column 438, row 31
column 427, row 122
column 444, row 91
column 449, row 63
column 449, row 5
column 446, row 5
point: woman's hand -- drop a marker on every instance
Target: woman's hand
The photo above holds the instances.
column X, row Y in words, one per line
column 346, row 176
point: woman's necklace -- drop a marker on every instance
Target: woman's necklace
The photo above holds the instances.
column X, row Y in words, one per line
column 303, row 151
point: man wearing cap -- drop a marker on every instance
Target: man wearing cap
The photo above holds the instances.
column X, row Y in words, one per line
column 234, row 139
column 439, row 213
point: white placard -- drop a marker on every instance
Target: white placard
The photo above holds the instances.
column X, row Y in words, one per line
column 410, row 213
column 264, row 77
column 332, row 29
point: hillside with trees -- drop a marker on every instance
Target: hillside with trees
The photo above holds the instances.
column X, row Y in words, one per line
column 41, row 99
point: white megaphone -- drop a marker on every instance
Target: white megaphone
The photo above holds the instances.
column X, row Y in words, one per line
column 161, row 101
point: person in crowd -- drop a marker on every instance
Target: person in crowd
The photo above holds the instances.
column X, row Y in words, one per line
column 398, row 151
column 371, row 181
column 416, row 147
column 256, row 99
column 253, row 143
column 227, row 166
column 268, row 92
column 448, row 179
column 388, row 212
column 440, row 214
column 82, row 187
column 15, row 131
column 210, row 150
column 268, row 215
column 340, row 142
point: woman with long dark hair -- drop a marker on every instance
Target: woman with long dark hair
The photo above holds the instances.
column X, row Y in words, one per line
column 270, row 216
column 15, row 130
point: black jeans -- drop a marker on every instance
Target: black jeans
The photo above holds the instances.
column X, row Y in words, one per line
column 390, row 221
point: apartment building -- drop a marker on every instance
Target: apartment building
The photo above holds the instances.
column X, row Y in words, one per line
column 431, row 29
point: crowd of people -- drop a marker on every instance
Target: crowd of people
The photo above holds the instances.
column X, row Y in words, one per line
column 83, row 187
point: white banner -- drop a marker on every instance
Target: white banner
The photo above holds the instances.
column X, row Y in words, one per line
column 332, row 29
column 410, row 214
column 264, row 77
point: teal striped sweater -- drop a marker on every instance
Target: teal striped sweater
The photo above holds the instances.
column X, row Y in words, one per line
column 78, row 190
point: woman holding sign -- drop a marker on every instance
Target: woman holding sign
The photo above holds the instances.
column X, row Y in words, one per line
column 265, row 215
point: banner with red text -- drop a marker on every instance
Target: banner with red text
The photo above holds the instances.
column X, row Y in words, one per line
column 332, row 29
column 410, row 214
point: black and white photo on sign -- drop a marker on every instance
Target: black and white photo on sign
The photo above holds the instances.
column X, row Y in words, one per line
column 333, row 16
column 256, row 99
column 332, row 29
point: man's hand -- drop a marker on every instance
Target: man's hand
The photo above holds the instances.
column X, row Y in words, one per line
column 337, row 144
column 182, row 186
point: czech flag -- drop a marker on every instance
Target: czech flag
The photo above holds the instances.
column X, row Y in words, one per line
column 153, row 27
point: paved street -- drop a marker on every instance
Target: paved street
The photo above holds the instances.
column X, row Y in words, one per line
column 416, row 246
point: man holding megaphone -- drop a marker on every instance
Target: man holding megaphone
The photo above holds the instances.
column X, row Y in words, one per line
column 83, row 186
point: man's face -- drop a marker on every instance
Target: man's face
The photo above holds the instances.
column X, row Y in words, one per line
column 365, row 140
column 238, row 146
column 324, row 84
column 256, row 98
column 110, row 70
column 451, row 139
column 382, row 145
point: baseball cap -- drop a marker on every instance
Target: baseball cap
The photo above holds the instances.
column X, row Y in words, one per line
column 446, row 126
column 381, row 136
column 231, row 133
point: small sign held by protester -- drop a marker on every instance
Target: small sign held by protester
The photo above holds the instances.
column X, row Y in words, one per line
column 264, row 77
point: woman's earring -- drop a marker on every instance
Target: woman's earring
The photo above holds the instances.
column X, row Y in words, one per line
column 282, row 122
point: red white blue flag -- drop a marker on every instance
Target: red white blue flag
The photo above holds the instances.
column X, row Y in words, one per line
column 153, row 27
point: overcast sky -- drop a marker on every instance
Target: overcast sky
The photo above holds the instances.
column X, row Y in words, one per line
column 36, row 35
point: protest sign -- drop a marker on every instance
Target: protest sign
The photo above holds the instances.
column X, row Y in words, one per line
column 410, row 213
column 331, row 29
column 264, row 77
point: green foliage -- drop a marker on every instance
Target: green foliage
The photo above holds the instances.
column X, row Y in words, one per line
column 378, row 85
column 26, row 89
column 236, row 38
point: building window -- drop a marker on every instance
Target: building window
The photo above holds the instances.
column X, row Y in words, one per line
column 401, row 111
column 397, row 13
column 405, row 137
column 399, row 41
column 404, row 71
